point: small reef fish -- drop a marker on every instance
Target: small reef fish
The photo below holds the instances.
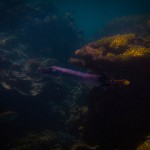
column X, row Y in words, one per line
column 88, row 78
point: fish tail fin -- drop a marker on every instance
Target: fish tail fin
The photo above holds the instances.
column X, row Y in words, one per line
column 121, row 82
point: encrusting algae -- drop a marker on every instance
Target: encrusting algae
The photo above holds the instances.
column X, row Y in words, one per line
column 136, row 51
column 125, row 46
column 144, row 146
column 117, row 41
column 117, row 48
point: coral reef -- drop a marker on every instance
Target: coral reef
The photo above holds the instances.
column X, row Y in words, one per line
column 103, row 54
column 39, row 100
column 17, row 75
column 49, row 31
column 40, row 27
column 34, row 34
column 118, row 116
column 137, row 24
column 85, row 146
column 19, row 72
column 44, row 140
column 145, row 145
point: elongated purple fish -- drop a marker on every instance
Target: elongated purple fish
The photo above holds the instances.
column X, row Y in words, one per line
column 91, row 79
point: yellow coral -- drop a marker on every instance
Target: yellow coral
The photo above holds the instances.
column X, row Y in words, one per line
column 117, row 41
column 110, row 55
column 116, row 48
column 133, row 51
column 136, row 51
column 144, row 146
column 105, row 40
column 100, row 51
column 121, row 40
column 84, row 109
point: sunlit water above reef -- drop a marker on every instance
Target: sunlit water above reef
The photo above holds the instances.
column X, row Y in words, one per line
column 92, row 16
column 102, row 42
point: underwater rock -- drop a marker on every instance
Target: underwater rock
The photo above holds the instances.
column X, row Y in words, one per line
column 85, row 146
column 52, row 34
column 35, row 141
column 119, row 52
column 18, row 72
column 137, row 24
column 44, row 140
column 145, row 145
column 118, row 117
column 8, row 116
column 19, row 81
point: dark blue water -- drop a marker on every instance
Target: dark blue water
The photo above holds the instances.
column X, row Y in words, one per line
column 93, row 15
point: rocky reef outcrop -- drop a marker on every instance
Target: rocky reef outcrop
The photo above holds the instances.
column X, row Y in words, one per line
column 118, row 116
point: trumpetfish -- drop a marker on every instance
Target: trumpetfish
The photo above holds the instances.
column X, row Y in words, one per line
column 88, row 78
